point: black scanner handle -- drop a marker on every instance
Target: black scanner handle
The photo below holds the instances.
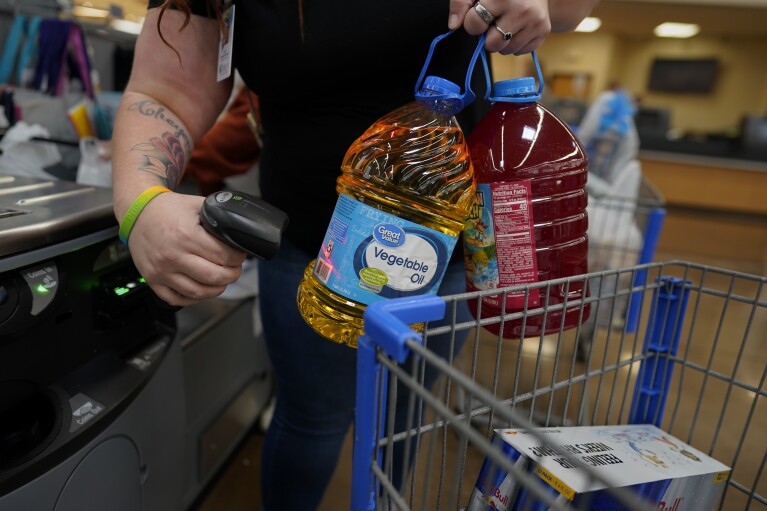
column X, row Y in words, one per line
column 245, row 222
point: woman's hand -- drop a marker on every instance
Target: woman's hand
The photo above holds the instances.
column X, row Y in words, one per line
column 180, row 261
column 517, row 26
column 526, row 20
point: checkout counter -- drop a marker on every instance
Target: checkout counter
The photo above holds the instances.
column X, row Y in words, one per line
column 719, row 205
column 708, row 182
column 227, row 384
column 714, row 183
column 108, row 398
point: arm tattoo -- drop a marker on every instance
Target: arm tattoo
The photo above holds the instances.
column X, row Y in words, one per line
column 164, row 156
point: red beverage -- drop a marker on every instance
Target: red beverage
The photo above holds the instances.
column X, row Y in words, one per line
column 529, row 222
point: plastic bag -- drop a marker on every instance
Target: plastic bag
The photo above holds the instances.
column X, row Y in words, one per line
column 24, row 156
column 95, row 167
column 609, row 135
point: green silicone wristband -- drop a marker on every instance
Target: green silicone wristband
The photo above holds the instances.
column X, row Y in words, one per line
column 135, row 210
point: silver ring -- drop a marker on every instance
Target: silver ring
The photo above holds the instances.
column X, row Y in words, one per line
column 484, row 13
column 506, row 35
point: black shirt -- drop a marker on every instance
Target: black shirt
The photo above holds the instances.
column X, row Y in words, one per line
column 319, row 91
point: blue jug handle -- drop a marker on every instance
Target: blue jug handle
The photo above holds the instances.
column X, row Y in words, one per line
column 531, row 97
column 469, row 95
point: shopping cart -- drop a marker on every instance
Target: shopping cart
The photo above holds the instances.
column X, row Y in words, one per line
column 695, row 366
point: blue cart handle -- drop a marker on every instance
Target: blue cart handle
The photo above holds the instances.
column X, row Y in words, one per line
column 386, row 322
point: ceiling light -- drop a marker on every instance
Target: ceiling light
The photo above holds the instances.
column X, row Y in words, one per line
column 589, row 25
column 129, row 27
column 84, row 11
column 680, row 30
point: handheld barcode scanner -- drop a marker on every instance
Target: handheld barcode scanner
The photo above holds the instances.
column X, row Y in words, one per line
column 244, row 222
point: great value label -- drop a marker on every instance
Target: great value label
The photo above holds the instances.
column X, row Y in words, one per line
column 369, row 255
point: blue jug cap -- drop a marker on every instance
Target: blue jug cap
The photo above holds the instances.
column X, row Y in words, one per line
column 516, row 90
column 442, row 95
column 517, row 87
column 441, row 86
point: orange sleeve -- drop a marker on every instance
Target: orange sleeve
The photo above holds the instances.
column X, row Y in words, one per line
column 228, row 148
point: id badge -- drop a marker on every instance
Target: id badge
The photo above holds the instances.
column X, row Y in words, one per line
column 225, row 44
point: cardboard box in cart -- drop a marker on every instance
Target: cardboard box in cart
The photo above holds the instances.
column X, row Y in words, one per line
column 667, row 473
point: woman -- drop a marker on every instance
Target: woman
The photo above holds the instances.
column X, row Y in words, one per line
column 323, row 73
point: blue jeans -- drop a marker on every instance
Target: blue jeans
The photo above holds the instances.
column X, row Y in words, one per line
column 315, row 381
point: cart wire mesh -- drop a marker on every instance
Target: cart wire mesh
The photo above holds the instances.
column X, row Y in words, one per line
column 624, row 232
column 694, row 365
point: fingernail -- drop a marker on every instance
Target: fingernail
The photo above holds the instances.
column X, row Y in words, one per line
column 452, row 22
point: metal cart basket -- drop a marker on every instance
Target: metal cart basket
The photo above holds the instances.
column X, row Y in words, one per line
column 695, row 366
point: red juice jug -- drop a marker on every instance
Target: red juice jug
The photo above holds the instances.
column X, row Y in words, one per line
column 529, row 222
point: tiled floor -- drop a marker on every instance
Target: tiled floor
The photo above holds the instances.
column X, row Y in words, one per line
column 238, row 487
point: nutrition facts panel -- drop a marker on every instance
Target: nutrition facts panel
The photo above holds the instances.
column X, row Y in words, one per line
column 514, row 241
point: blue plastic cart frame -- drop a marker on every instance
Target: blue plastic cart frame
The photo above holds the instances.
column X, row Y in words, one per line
column 653, row 228
column 386, row 327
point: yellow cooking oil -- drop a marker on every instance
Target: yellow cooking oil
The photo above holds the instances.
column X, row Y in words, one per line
column 405, row 190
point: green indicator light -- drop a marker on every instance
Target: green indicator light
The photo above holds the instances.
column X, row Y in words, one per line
column 42, row 289
column 237, row 197
column 141, row 280
column 119, row 291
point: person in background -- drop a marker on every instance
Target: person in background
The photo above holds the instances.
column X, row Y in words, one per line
column 230, row 148
column 609, row 134
column 323, row 73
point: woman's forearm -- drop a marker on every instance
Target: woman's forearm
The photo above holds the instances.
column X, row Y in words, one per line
column 565, row 15
column 172, row 98
column 151, row 148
